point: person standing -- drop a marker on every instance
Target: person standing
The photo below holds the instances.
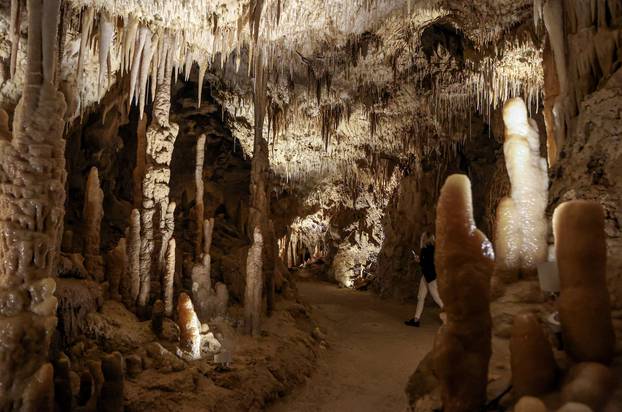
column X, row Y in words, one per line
column 428, row 280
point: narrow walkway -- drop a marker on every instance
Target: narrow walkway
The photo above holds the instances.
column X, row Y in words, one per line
column 370, row 354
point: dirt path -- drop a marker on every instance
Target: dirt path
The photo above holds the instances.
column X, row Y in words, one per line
column 370, row 355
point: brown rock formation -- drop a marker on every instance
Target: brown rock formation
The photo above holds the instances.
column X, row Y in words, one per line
column 464, row 262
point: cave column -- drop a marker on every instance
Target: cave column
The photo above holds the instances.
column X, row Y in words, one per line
column 259, row 207
column 157, row 213
column 32, row 196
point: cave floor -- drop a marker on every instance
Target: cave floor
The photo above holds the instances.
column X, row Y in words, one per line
column 370, row 353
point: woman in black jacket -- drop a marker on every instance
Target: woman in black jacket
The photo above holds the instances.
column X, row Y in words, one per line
column 428, row 280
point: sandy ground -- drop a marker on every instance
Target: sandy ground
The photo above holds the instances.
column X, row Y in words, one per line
column 370, row 353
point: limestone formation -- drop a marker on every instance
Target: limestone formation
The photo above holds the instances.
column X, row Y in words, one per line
column 155, row 214
column 254, row 286
column 589, row 383
column 584, row 309
column 157, row 317
column 32, row 200
column 523, row 227
column 530, row 404
column 534, row 371
column 199, row 207
column 133, row 255
column 189, row 328
column 93, row 214
column 111, row 393
column 116, row 270
column 464, row 262
column 169, row 278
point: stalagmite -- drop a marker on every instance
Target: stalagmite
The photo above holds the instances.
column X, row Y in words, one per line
column 533, row 365
column 254, row 286
column 198, row 180
column 111, row 393
column 93, row 214
column 202, row 287
column 529, row 179
column 189, row 327
column 530, row 404
column 584, row 309
column 222, row 299
column 133, row 255
column 32, row 197
column 464, row 261
column 167, row 227
column 106, row 33
column 116, row 269
column 591, row 384
column 39, row 393
column 157, row 317
column 169, row 278
column 507, row 241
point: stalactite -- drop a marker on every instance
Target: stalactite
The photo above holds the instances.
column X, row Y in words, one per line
column 106, row 33
column 464, row 261
column 198, row 181
column 32, row 200
column 143, row 32
column 208, row 232
column 88, row 15
column 14, row 34
column 202, row 69
column 149, row 49
column 133, row 253
column 93, row 214
column 169, row 278
column 554, row 23
column 129, row 40
column 584, row 309
column 189, row 327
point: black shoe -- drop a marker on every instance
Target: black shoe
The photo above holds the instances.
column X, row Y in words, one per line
column 412, row 322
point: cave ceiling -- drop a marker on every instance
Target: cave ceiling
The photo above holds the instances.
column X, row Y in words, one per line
column 356, row 88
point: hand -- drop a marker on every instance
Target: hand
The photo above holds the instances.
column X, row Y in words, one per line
column 415, row 256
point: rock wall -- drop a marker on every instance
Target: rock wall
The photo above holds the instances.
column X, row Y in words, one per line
column 413, row 205
column 589, row 165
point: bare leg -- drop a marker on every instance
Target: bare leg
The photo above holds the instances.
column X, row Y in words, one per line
column 423, row 292
column 433, row 288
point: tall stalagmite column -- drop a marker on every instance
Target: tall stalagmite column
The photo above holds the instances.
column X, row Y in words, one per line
column 522, row 220
column 464, row 261
column 584, row 308
column 92, row 215
column 161, row 136
column 32, row 196
column 259, row 206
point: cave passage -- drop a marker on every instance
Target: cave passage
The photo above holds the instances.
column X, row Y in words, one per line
column 311, row 205
column 367, row 352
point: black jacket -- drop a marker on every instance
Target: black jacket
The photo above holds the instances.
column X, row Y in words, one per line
column 427, row 263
